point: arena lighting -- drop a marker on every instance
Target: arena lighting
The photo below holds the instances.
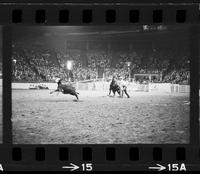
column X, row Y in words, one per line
column 14, row 60
column 69, row 64
column 129, row 64
column 129, row 71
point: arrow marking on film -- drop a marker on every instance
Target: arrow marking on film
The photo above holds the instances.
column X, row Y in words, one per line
column 159, row 167
column 72, row 167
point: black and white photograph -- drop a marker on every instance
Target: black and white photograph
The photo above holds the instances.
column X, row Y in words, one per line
column 199, row 76
column 101, row 84
column 1, row 89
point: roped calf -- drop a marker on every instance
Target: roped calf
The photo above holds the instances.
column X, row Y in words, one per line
column 66, row 89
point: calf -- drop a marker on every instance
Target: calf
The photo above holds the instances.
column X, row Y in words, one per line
column 66, row 89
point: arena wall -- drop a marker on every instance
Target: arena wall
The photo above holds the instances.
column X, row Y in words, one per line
column 27, row 85
column 160, row 87
column 103, row 86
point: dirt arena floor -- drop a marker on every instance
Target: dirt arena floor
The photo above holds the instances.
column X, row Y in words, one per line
column 41, row 118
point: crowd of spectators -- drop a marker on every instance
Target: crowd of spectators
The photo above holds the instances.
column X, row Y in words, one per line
column 37, row 64
column 177, row 77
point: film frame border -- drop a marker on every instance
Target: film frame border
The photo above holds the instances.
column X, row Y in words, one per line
column 147, row 153
column 102, row 1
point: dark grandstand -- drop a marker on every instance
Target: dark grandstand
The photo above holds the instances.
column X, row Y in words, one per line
column 100, row 52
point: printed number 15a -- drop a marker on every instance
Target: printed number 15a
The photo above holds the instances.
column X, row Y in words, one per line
column 176, row 167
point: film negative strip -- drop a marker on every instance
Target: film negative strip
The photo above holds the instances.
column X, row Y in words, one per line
column 99, row 86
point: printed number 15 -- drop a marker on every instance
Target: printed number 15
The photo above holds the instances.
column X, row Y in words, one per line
column 87, row 167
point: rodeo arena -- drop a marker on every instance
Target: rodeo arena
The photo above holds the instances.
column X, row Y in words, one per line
column 1, row 96
column 100, row 85
column 1, row 89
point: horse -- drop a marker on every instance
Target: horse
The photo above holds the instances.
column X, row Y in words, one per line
column 114, row 87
